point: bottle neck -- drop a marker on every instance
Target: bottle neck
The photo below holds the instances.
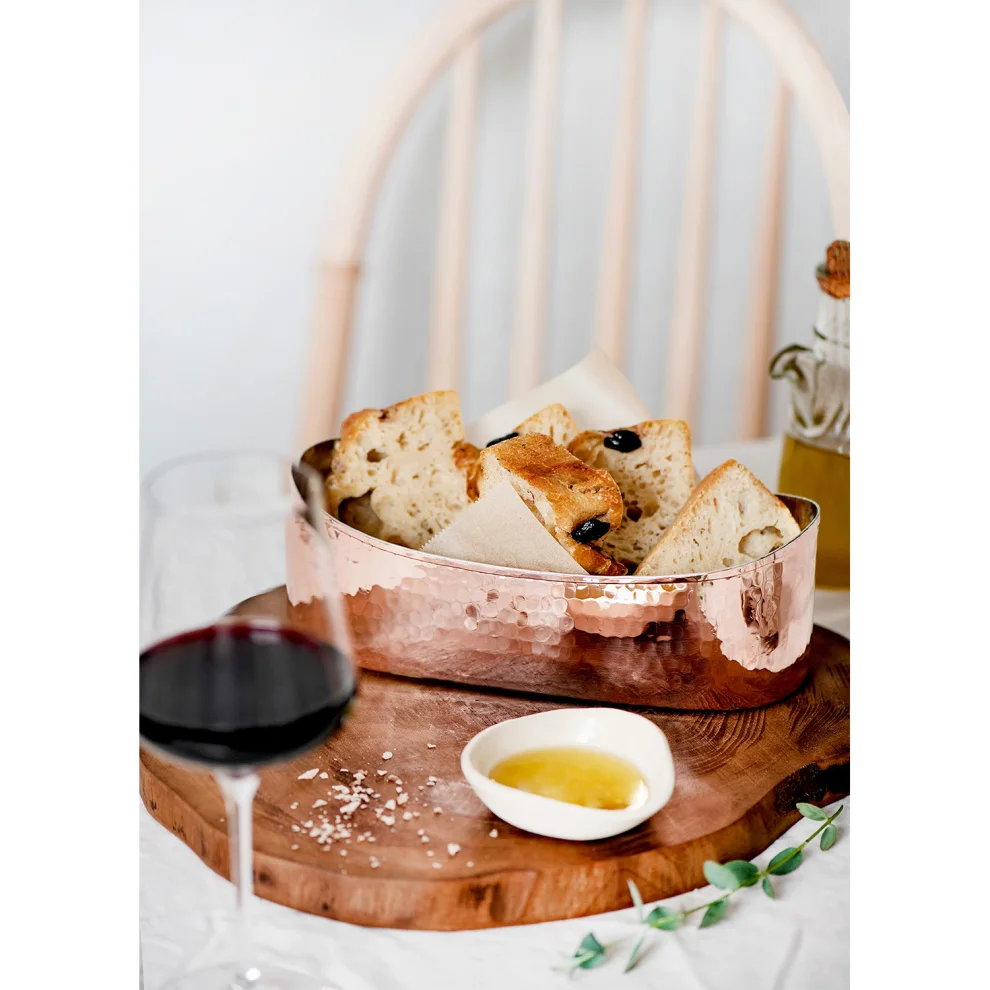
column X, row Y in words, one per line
column 831, row 330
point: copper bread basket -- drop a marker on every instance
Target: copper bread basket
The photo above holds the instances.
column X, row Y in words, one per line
column 734, row 638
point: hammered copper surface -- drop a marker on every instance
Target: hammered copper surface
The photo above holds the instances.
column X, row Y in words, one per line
column 735, row 638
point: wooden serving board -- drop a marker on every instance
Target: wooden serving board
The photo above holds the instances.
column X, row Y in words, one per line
column 738, row 776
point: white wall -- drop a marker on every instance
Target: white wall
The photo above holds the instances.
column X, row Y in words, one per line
column 248, row 108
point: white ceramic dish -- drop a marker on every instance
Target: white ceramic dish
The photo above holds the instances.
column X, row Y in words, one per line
column 621, row 733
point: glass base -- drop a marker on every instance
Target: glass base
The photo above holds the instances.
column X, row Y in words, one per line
column 220, row 976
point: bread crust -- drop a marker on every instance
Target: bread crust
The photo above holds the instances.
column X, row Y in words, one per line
column 729, row 519
column 561, row 490
column 553, row 421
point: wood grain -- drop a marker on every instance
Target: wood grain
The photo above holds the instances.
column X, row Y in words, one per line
column 739, row 775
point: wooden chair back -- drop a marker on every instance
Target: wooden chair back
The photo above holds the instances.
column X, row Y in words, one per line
column 451, row 43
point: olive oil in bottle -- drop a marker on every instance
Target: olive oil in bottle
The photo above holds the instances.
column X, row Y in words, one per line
column 822, row 474
column 814, row 460
column 574, row 774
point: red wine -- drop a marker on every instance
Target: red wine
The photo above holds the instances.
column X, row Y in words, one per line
column 242, row 695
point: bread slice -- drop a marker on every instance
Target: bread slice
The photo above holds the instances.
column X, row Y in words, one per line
column 730, row 518
column 400, row 473
column 651, row 463
column 552, row 421
column 561, row 491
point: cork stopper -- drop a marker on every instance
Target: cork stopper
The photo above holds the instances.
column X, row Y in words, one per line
column 833, row 276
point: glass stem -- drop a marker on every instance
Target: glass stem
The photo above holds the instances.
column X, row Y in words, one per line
column 238, row 789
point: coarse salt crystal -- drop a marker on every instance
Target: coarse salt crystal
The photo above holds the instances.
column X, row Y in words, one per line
column 470, row 862
column 381, row 773
column 309, row 774
column 493, row 834
column 438, row 810
column 431, row 745
column 295, row 845
column 402, row 798
column 388, row 820
column 406, row 816
column 424, row 838
column 453, row 848
column 308, row 824
column 293, row 806
column 390, row 804
column 318, row 803
column 386, row 755
column 374, row 862
column 295, row 828
column 324, row 775
column 429, row 852
column 438, row 866
column 421, row 831
column 343, row 852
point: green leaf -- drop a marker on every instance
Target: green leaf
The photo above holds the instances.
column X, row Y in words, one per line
column 637, row 900
column 768, row 887
column 592, row 961
column 720, row 876
column 714, row 913
column 590, row 953
column 634, row 955
column 829, row 836
column 590, row 944
column 664, row 919
column 810, row 811
column 746, row 873
column 786, row 861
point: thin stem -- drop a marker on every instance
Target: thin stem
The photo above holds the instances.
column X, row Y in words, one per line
column 238, row 791
column 701, row 907
column 763, row 874
column 821, row 828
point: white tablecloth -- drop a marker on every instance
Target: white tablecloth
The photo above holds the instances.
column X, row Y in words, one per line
column 800, row 941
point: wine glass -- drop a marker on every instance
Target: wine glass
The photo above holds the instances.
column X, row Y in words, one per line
column 232, row 677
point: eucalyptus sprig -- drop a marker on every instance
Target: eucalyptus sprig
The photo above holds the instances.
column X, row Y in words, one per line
column 730, row 877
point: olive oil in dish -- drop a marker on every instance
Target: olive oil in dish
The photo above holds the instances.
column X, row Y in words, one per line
column 580, row 775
